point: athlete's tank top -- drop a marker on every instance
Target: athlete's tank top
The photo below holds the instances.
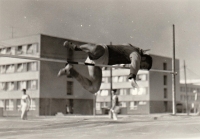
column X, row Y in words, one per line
column 120, row 54
column 102, row 60
column 115, row 54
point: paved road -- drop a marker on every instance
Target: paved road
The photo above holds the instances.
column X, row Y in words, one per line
column 101, row 127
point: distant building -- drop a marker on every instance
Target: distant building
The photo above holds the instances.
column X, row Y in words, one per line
column 190, row 97
column 49, row 94
column 153, row 96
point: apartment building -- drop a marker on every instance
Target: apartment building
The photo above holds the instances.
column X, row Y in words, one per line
column 190, row 97
column 154, row 94
column 49, row 94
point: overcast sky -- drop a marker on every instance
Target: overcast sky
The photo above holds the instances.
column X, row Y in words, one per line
column 143, row 23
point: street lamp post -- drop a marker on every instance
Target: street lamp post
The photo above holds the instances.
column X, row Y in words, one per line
column 94, row 103
column 195, row 100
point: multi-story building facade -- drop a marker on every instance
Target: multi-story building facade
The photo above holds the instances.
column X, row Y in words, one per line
column 189, row 97
column 49, row 94
column 154, row 94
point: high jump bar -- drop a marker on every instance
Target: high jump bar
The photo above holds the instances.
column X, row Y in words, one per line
column 75, row 62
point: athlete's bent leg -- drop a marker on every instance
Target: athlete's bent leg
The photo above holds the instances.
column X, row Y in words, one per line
column 85, row 47
column 94, row 51
column 92, row 83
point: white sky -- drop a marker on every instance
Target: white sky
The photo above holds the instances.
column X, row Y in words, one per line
column 143, row 23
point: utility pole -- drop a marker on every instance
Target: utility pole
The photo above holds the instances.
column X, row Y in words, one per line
column 186, row 89
column 111, row 88
column 94, row 103
column 173, row 76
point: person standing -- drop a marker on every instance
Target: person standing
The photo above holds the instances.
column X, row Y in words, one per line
column 25, row 105
column 115, row 105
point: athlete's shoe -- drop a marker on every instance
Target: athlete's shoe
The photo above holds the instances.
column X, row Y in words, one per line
column 62, row 72
column 131, row 76
column 69, row 45
column 65, row 71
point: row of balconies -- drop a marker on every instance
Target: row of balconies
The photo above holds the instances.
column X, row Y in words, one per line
column 22, row 49
column 19, row 67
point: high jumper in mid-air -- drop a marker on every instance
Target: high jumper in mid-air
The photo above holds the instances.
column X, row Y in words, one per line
column 106, row 55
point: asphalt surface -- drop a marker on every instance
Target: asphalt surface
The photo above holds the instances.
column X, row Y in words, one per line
column 154, row 126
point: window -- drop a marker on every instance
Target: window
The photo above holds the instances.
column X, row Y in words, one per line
column 165, row 92
column 19, row 50
column 142, row 102
column 98, row 106
column 18, row 104
column 165, row 79
column 9, row 104
column 115, row 79
column 105, row 80
column 104, row 104
column 32, row 84
column 122, row 79
column 133, row 105
column 139, row 91
column 142, row 91
column 32, row 48
column 33, row 104
column 29, row 67
column 69, row 88
column 3, row 86
column 123, row 104
column 35, row 48
column 3, row 68
column 29, row 49
column 32, row 66
column 10, row 68
column 11, row 86
column 2, row 104
column 21, row 85
column 8, row 50
column 133, row 91
column 165, row 106
column 141, row 77
column 24, row 66
column 124, row 92
column 164, row 66
column 12, row 50
column 24, row 49
column 19, row 67
column 105, row 92
column 3, row 51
